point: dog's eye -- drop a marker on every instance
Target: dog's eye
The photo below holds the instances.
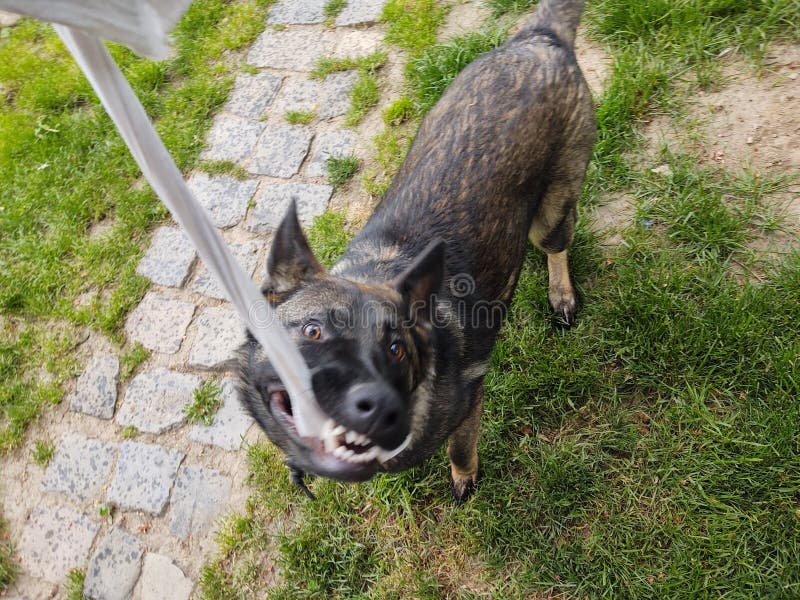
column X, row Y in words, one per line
column 397, row 351
column 312, row 330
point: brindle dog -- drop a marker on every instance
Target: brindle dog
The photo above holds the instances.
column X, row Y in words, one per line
column 398, row 335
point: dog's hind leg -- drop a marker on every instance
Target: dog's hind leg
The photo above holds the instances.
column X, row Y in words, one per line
column 553, row 229
column 462, row 449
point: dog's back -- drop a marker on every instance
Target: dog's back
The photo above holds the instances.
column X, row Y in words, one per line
column 489, row 160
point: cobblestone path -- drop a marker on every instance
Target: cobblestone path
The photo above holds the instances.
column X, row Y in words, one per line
column 167, row 485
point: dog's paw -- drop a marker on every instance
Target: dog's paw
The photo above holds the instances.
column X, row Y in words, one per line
column 564, row 308
column 463, row 488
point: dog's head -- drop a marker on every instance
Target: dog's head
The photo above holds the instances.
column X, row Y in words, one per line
column 367, row 346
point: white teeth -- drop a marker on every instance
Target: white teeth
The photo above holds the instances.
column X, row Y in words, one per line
column 339, row 451
column 350, row 437
column 362, row 440
column 339, row 430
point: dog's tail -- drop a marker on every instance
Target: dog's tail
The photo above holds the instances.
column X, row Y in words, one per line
column 558, row 16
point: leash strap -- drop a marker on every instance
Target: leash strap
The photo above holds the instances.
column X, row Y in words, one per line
column 158, row 167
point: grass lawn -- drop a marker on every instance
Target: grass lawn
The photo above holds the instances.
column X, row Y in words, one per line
column 651, row 451
column 74, row 213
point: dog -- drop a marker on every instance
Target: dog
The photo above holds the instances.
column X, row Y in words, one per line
column 399, row 333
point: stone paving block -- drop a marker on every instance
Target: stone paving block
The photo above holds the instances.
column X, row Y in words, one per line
column 154, row 400
column 252, row 93
column 219, row 334
column 199, row 496
column 273, row 201
column 115, row 566
column 159, row 323
column 231, row 138
column 96, row 391
column 296, row 50
column 335, row 94
column 55, row 541
column 357, row 43
column 292, row 12
column 360, row 12
column 280, row 150
column 300, row 94
column 143, row 477
column 161, row 579
column 225, row 198
column 246, row 255
column 80, row 467
column 337, row 143
column 168, row 260
column 230, row 423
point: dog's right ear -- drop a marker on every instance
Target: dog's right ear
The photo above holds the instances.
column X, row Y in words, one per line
column 291, row 260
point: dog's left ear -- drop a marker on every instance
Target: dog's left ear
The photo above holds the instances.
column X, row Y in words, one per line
column 291, row 260
column 422, row 279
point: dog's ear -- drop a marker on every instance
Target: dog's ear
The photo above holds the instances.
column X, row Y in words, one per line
column 422, row 279
column 291, row 260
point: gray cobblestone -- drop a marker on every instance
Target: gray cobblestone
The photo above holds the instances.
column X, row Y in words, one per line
column 198, row 497
column 162, row 580
column 280, row 150
column 297, row 12
column 357, row 43
column 246, row 255
column 300, row 94
column 143, row 477
column 55, row 541
column 159, row 323
column 230, row 423
column 219, row 334
column 80, row 467
column 168, row 260
column 360, row 12
column 154, row 400
column 96, row 391
column 225, row 198
column 337, row 143
column 115, row 566
column 273, row 201
column 252, row 93
column 231, row 138
column 296, row 50
column 335, row 94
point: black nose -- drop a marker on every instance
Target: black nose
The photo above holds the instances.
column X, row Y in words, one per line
column 377, row 411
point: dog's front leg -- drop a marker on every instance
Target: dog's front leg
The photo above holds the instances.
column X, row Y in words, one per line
column 462, row 450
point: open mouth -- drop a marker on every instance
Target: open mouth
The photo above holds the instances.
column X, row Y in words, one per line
column 334, row 440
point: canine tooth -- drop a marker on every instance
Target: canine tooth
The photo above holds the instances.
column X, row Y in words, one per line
column 339, row 430
column 362, row 440
column 351, row 437
column 330, row 442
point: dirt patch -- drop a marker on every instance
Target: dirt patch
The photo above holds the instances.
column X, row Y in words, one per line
column 595, row 62
column 610, row 219
column 463, row 18
column 750, row 119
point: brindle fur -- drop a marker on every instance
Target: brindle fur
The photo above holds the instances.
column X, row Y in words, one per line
column 499, row 160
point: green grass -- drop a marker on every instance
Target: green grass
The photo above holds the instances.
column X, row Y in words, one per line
column 333, row 8
column 329, row 236
column 341, row 169
column 130, row 360
column 74, row 219
column 8, row 568
column 74, row 586
column 43, row 451
column 206, row 401
column 649, row 452
column 299, row 117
